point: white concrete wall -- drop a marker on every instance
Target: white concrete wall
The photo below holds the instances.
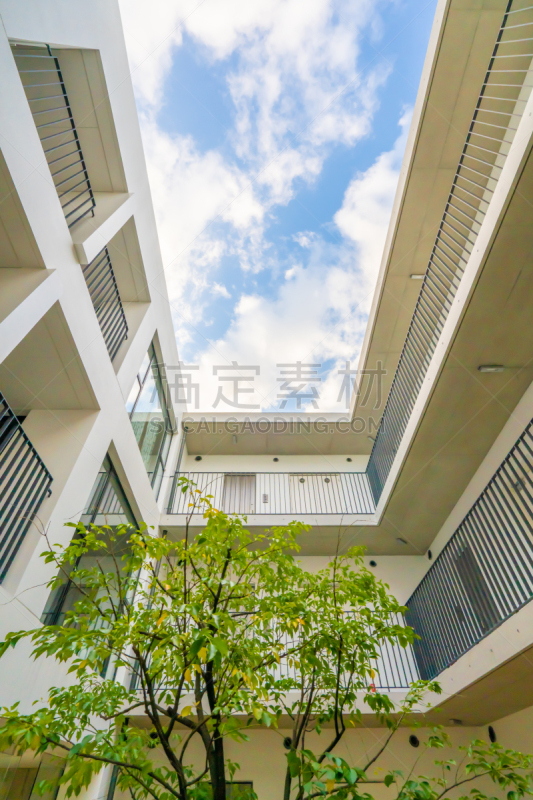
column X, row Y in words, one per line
column 72, row 440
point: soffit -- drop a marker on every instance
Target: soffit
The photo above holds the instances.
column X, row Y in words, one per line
column 467, row 39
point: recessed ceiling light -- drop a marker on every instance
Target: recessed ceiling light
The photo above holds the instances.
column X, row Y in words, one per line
column 491, row 368
column 415, row 276
column 402, row 541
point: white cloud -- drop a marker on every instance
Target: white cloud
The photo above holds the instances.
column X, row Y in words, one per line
column 367, row 204
column 320, row 312
column 298, row 89
column 221, row 291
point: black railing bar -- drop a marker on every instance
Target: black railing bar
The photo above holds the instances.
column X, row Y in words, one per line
column 505, row 99
column 29, row 445
column 81, row 216
column 459, row 188
column 522, row 478
column 471, row 628
column 497, row 567
column 22, row 467
column 459, row 209
column 14, row 542
column 483, row 187
column 58, row 147
column 67, row 132
column 71, row 189
column 55, row 108
column 476, row 523
column 108, row 320
column 451, row 596
column 439, row 251
column 445, row 285
column 500, row 483
column 70, row 177
column 62, row 158
column 432, row 642
column 80, row 194
column 515, row 55
column 12, row 469
column 465, row 236
column 114, row 325
column 450, row 277
column 52, row 122
column 7, row 431
column 439, row 277
column 95, row 262
column 35, row 71
column 495, row 492
column 504, row 551
column 477, row 209
column 505, row 128
column 505, row 113
column 18, row 54
column 100, row 288
column 482, row 543
column 492, row 164
column 519, row 11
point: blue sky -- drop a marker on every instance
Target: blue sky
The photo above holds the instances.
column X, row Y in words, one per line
column 274, row 132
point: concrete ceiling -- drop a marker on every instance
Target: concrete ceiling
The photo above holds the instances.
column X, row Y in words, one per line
column 18, row 247
column 450, row 87
column 45, row 370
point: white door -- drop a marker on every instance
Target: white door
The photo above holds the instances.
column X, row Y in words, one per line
column 239, row 494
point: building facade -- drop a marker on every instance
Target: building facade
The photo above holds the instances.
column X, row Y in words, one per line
column 432, row 469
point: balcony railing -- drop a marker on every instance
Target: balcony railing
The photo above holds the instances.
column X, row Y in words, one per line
column 500, row 105
column 485, row 572
column 105, row 297
column 24, row 483
column 395, row 666
column 45, row 90
column 277, row 493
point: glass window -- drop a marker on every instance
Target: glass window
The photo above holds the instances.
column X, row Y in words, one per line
column 150, row 418
column 108, row 505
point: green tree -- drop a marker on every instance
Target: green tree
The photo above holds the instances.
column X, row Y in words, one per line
column 210, row 637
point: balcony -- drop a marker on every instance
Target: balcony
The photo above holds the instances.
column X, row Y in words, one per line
column 102, row 285
column 484, row 574
column 272, row 493
column 501, row 103
column 24, row 483
column 46, row 92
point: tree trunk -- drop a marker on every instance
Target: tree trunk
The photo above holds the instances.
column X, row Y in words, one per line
column 218, row 779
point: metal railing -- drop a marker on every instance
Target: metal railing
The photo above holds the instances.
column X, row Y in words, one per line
column 24, row 483
column 47, row 96
column 395, row 666
column 485, row 572
column 102, row 286
column 500, row 105
column 277, row 493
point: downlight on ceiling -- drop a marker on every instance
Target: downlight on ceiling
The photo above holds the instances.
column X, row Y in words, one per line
column 415, row 276
column 491, row 368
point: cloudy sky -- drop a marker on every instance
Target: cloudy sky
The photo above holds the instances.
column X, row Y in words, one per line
column 274, row 132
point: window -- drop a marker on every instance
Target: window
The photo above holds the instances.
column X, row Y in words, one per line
column 108, row 505
column 150, row 417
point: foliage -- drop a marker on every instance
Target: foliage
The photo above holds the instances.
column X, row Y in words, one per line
column 211, row 637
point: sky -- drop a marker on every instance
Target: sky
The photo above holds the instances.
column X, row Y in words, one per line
column 274, row 132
